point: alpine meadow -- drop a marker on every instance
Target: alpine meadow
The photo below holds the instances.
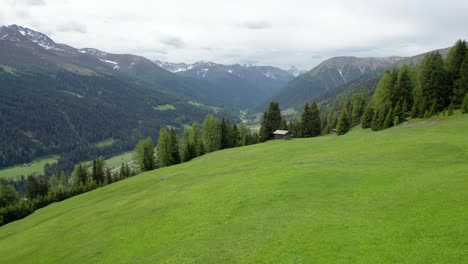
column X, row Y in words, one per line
column 240, row 132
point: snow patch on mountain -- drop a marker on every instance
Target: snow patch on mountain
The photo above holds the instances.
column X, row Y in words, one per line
column 109, row 61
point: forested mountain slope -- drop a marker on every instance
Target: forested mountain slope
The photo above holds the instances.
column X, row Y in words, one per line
column 57, row 99
column 335, row 75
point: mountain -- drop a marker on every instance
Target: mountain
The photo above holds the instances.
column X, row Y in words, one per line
column 326, row 76
column 335, row 75
column 295, row 71
column 244, row 85
column 58, row 99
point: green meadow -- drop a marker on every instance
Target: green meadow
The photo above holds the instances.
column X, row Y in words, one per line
column 395, row 196
column 35, row 166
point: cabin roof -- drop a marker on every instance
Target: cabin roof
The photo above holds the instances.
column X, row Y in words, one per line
column 280, row 132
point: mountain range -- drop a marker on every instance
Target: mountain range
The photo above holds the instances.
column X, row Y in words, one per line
column 56, row 99
column 335, row 75
column 243, row 85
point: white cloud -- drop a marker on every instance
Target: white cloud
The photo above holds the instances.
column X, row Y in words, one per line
column 269, row 32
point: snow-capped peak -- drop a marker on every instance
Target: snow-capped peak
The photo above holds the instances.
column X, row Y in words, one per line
column 36, row 37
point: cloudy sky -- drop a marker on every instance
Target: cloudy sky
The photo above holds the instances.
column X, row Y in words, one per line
column 263, row 32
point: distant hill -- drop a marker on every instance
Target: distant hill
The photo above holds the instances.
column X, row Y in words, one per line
column 393, row 196
column 243, row 85
column 335, row 73
column 55, row 98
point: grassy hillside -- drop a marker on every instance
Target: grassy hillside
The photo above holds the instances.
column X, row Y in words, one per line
column 396, row 196
column 35, row 166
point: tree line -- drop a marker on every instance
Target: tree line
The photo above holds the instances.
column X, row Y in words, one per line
column 435, row 86
column 214, row 134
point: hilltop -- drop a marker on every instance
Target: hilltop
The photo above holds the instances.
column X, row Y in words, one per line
column 393, row 196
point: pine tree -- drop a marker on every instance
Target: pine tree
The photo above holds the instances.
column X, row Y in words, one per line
column 195, row 139
column 235, row 136
column 164, row 150
column 270, row 122
column 461, row 85
column 403, row 87
column 264, row 128
column 224, row 132
column 464, row 106
column 455, row 59
column 307, row 120
column 433, row 81
column 368, row 116
column 389, row 118
column 283, row 124
column 175, row 154
column 144, row 152
column 315, row 124
column 343, row 123
column 398, row 116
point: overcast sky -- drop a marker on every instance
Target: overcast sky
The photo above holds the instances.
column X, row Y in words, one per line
column 263, row 32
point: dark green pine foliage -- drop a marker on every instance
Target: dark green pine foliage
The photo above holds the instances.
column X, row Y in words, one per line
column 433, row 81
column 464, row 106
column 461, row 85
column 378, row 120
column 98, row 170
column 264, row 135
column 453, row 64
column 175, row 155
column 315, row 120
column 368, row 116
column 235, row 136
column 224, row 132
column 403, row 88
column 306, row 121
column 343, row 123
column 271, row 121
column 389, row 118
column 145, row 154
column 398, row 115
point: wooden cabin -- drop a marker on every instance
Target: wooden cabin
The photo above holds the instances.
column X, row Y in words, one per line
column 282, row 134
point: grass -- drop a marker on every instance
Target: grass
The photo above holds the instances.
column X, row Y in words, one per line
column 8, row 69
column 213, row 108
column 164, row 107
column 395, row 196
column 117, row 161
column 105, row 143
column 36, row 166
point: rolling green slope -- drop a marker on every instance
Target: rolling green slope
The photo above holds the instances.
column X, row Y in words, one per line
column 396, row 196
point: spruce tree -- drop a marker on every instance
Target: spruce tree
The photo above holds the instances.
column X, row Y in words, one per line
column 398, row 116
column 307, row 120
column 175, row 154
column 315, row 124
column 271, row 121
column 235, row 136
column 403, row 87
column 224, row 132
column 343, row 123
column 433, row 81
column 144, row 152
column 389, row 118
column 368, row 116
column 461, row 85
column 455, row 59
